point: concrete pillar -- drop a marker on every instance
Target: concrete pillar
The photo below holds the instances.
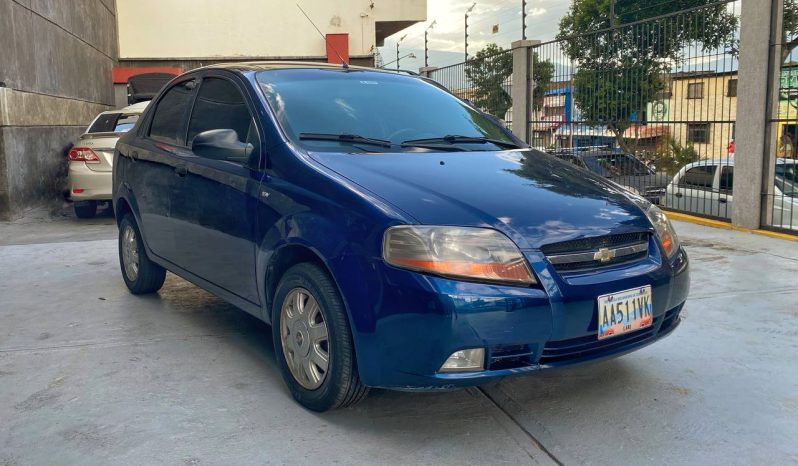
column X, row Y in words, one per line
column 752, row 158
column 426, row 71
column 522, row 87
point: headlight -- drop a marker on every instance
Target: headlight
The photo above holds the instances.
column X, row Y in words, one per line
column 479, row 254
column 666, row 235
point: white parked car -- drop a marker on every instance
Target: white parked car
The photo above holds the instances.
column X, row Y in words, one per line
column 705, row 188
column 91, row 158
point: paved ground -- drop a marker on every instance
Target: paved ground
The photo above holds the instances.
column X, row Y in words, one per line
column 90, row 374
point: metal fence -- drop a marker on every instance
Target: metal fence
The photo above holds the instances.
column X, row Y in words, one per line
column 485, row 80
column 780, row 193
column 650, row 104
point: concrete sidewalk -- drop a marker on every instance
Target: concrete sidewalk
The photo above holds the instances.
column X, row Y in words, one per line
column 90, row 374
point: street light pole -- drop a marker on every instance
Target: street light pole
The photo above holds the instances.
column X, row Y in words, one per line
column 426, row 44
column 397, row 50
column 466, row 29
column 523, row 19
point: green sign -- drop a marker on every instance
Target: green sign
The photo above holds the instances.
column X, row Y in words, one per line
column 789, row 84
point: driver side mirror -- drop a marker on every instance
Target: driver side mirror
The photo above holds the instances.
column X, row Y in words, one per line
column 222, row 144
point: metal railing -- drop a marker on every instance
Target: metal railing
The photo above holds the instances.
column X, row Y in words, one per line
column 484, row 80
column 655, row 99
column 780, row 193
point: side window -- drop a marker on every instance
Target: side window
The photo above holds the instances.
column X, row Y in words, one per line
column 698, row 177
column 220, row 105
column 726, row 180
column 169, row 120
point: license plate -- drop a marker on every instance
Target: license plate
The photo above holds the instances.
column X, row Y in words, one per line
column 624, row 312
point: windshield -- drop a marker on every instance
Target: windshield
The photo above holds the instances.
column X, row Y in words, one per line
column 113, row 123
column 787, row 178
column 611, row 165
column 372, row 104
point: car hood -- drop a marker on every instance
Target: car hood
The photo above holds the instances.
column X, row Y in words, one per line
column 532, row 197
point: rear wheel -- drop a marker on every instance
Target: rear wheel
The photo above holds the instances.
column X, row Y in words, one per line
column 85, row 209
column 313, row 342
column 141, row 275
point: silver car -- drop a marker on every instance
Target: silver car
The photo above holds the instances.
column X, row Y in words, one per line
column 91, row 158
column 705, row 188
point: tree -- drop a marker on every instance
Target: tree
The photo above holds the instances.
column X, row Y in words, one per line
column 489, row 74
column 623, row 68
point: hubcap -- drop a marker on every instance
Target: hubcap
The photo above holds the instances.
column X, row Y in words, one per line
column 303, row 334
column 130, row 253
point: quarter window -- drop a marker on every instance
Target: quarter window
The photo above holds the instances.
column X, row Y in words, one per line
column 698, row 133
column 169, row 120
column 699, row 177
column 726, row 180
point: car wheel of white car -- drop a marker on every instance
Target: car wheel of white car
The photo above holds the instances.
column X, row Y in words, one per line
column 85, row 209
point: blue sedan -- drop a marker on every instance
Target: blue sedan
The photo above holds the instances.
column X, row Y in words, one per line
column 392, row 235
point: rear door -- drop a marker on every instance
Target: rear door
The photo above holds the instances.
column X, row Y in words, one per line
column 215, row 201
column 694, row 191
column 155, row 166
column 725, row 186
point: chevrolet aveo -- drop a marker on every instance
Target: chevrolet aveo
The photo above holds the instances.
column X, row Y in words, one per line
column 391, row 234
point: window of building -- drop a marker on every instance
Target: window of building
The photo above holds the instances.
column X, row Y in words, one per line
column 695, row 91
column 731, row 88
column 726, row 179
column 698, row 133
column 700, row 177
column 554, row 111
column 169, row 120
column 220, row 105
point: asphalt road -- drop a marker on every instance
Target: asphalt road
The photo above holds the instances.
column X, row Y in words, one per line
column 90, row 374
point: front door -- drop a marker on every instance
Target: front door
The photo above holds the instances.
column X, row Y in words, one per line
column 215, row 200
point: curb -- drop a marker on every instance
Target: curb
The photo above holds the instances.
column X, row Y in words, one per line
column 727, row 226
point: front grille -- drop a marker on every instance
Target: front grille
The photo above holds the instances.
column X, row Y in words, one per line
column 574, row 349
column 510, row 357
column 578, row 255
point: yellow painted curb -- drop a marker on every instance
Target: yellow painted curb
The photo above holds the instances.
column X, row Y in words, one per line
column 727, row 226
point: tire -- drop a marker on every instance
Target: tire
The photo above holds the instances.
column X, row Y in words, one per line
column 341, row 385
column 147, row 277
column 85, row 209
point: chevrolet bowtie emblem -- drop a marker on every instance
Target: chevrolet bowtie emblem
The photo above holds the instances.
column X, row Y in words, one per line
column 604, row 255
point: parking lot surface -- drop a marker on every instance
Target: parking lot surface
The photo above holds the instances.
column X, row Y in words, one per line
column 90, row 374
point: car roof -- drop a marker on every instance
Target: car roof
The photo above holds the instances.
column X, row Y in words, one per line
column 730, row 161
column 255, row 66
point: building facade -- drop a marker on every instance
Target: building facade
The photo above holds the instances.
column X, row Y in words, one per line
column 151, row 39
column 55, row 67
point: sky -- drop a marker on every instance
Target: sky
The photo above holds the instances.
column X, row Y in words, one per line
column 446, row 41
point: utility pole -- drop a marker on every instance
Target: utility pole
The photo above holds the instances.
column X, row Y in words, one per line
column 397, row 50
column 523, row 19
column 466, row 29
column 426, row 43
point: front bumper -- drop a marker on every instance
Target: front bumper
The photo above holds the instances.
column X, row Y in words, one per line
column 421, row 320
column 95, row 186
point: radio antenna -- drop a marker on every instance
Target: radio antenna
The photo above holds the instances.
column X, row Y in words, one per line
column 343, row 63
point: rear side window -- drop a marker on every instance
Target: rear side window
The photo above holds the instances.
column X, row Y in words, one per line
column 699, row 177
column 219, row 105
column 169, row 120
column 726, row 180
column 113, row 123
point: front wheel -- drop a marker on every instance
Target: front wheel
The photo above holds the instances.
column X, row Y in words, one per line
column 141, row 275
column 313, row 342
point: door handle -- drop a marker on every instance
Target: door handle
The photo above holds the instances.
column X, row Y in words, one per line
column 181, row 171
column 722, row 200
column 679, row 195
column 134, row 155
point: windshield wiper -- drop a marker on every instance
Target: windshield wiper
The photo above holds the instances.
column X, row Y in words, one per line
column 454, row 139
column 348, row 138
